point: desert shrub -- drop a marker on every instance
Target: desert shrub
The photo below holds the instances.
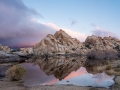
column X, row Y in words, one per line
column 108, row 67
column 102, row 54
column 110, row 72
column 16, row 72
column 99, row 69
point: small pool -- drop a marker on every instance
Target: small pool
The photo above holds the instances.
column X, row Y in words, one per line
column 63, row 72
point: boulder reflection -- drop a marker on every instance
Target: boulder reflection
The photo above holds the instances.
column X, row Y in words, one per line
column 60, row 67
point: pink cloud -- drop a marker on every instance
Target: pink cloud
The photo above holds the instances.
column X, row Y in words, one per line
column 74, row 34
column 79, row 72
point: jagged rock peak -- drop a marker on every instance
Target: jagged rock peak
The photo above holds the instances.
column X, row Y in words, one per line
column 60, row 42
column 61, row 33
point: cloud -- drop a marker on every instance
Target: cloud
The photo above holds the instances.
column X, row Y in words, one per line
column 74, row 34
column 36, row 13
column 52, row 25
column 103, row 33
column 19, row 26
column 73, row 22
column 98, row 31
column 94, row 25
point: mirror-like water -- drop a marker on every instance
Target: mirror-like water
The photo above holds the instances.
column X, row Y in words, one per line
column 60, row 71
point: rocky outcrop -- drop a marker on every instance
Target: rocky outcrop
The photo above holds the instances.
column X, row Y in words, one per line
column 102, row 48
column 7, row 55
column 11, row 57
column 27, row 51
column 62, row 43
column 4, row 48
column 59, row 43
column 105, row 43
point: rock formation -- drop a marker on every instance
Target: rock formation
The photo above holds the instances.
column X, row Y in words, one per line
column 7, row 55
column 4, row 48
column 62, row 43
column 102, row 43
column 59, row 43
column 27, row 51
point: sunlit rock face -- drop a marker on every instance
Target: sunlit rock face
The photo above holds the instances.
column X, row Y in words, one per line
column 4, row 48
column 106, row 43
column 27, row 51
column 60, row 67
column 59, row 43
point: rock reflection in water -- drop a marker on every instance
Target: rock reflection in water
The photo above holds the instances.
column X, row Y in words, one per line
column 68, row 70
column 60, row 67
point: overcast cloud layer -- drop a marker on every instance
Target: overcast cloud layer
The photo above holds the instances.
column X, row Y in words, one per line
column 18, row 26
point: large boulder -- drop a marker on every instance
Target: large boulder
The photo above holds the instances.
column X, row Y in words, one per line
column 27, row 51
column 8, row 57
column 106, row 43
column 4, row 48
column 59, row 43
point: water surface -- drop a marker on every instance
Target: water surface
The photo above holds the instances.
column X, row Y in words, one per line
column 63, row 71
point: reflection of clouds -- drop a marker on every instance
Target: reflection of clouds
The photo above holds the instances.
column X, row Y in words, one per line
column 51, row 82
column 102, row 77
column 35, row 76
column 88, row 80
column 79, row 72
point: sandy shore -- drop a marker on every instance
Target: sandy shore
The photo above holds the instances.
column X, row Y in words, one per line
column 64, row 87
column 8, row 85
column 17, row 85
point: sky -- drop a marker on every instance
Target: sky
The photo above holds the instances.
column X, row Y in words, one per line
column 25, row 22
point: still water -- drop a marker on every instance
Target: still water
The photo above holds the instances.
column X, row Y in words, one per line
column 63, row 71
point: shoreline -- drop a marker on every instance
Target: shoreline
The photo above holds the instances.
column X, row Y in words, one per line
column 5, row 84
column 18, row 85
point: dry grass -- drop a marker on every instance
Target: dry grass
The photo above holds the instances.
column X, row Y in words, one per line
column 16, row 72
column 108, row 69
column 100, row 68
column 103, row 68
column 110, row 72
